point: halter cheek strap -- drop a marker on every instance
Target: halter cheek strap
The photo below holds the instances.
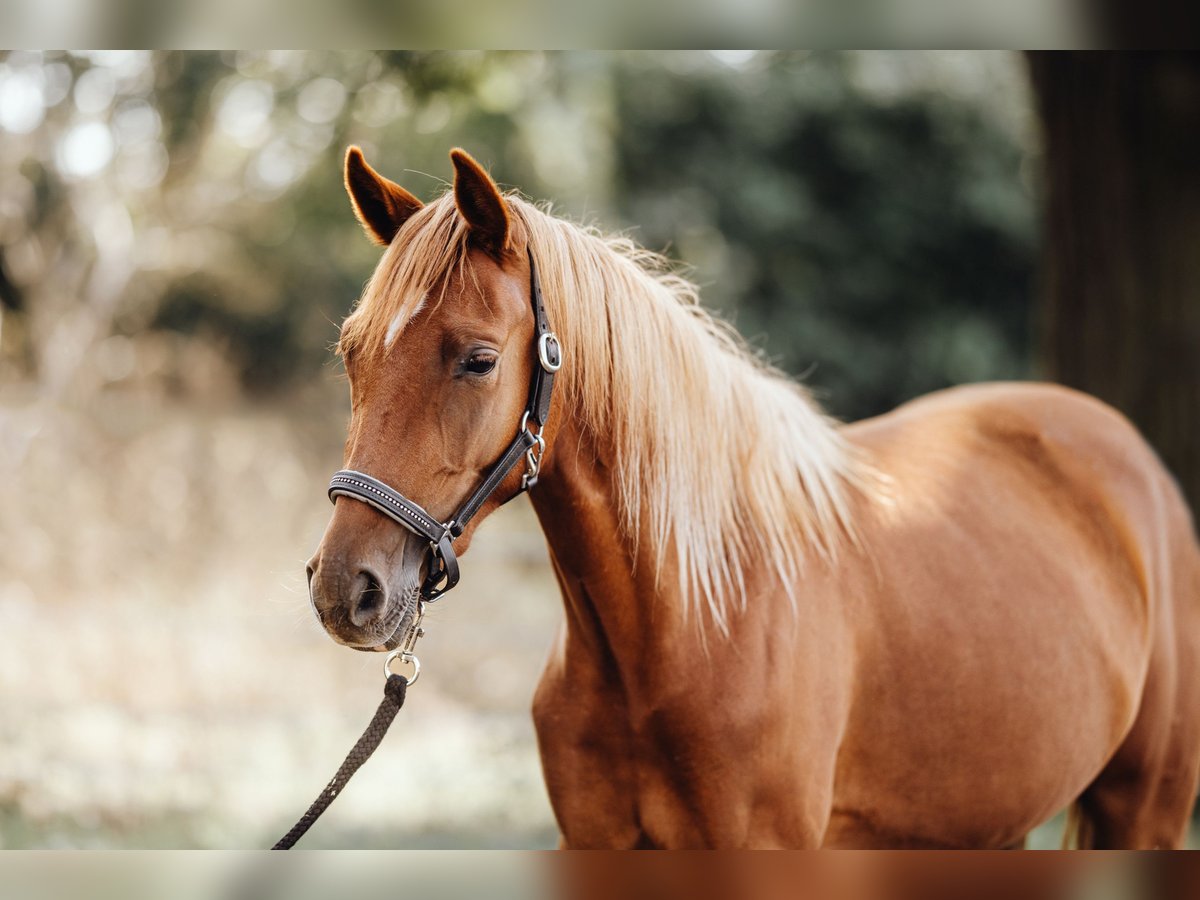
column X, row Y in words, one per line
column 528, row 443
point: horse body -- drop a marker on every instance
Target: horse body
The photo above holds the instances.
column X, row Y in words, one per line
column 931, row 628
column 967, row 672
column 1016, row 616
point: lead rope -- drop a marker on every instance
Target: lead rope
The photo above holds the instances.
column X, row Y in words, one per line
column 394, row 690
column 393, row 698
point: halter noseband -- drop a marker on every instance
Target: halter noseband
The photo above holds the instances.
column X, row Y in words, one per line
column 443, row 564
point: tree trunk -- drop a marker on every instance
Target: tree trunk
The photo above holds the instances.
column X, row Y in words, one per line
column 1121, row 259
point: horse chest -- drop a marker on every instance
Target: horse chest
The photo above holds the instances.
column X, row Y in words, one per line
column 706, row 768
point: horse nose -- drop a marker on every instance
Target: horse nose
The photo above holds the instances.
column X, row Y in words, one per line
column 368, row 598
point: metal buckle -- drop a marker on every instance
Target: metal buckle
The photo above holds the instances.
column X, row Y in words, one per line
column 533, row 456
column 550, row 364
column 532, row 465
column 404, row 653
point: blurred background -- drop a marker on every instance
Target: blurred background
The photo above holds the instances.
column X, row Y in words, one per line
column 176, row 253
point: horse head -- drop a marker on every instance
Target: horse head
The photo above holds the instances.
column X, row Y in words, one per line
column 439, row 363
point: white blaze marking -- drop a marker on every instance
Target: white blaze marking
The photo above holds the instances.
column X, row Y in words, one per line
column 397, row 324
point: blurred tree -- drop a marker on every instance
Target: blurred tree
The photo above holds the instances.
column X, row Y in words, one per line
column 193, row 201
column 1122, row 252
column 173, row 194
column 881, row 237
column 190, row 206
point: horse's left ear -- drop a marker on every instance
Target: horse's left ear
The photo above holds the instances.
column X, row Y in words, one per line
column 479, row 202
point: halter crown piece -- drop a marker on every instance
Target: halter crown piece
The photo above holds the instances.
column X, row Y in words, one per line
column 443, row 564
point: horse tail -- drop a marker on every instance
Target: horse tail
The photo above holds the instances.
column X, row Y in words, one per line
column 1078, row 832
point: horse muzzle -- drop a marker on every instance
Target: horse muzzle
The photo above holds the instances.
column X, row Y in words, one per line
column 366, row 596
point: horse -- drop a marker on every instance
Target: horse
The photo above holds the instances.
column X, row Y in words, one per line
column 934, row 628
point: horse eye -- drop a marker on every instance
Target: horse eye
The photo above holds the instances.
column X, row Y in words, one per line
column 480, row 363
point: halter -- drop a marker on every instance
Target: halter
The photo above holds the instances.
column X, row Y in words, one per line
column 443, row 564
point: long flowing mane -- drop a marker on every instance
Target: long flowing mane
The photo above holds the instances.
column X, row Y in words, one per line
column 721, row 461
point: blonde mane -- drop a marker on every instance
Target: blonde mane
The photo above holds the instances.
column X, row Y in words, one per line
column 720, row 461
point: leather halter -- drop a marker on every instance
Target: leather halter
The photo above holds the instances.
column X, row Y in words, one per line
column 443, row 564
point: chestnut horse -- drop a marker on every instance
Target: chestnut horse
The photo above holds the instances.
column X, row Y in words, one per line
column 934, row 628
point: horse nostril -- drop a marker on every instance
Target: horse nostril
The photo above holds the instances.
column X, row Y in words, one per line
column 309, row 570
column 369, row 600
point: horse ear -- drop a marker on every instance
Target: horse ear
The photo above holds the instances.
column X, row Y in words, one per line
column 382, row 206
column 479, row 201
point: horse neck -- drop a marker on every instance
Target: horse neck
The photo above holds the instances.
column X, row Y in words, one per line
column 576, row 503
column 616, row 604
column 619, row 591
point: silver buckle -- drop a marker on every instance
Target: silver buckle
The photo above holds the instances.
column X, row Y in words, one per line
column 543, row 351
column 404, row 653
column 532, row 464
column 533, row 456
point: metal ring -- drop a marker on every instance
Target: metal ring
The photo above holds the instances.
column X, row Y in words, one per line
column 544, row 352
column 404, row 657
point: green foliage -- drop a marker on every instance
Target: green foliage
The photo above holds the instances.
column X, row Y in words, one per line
column 883, row 244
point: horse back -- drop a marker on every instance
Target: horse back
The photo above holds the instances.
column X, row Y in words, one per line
column 1014, row 450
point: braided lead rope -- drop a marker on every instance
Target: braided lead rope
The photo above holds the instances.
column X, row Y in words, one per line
column 393, row 698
